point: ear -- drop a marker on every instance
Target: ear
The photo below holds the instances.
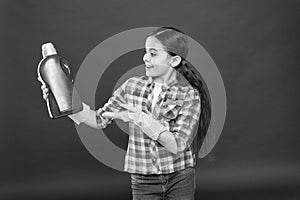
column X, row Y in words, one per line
column 175, row 60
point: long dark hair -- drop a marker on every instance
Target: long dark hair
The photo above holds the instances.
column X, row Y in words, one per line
column 176, row 43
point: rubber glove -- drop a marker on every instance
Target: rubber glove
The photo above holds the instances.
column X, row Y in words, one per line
column 150, row 126
column 81, row 116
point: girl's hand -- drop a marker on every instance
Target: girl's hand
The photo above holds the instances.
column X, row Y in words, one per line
column 129, row 115
column 144, row 120
column 44, row 89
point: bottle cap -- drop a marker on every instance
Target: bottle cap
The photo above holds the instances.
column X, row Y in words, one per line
column 48, row 50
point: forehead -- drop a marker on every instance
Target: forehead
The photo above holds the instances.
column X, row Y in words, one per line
column 153, row 43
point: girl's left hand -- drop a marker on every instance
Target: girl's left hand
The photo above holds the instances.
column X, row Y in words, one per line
column 129, row 115
column 144, row 120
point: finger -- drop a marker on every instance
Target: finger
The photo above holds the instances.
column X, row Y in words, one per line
column 43, row 87
column 45, row 91
column 148, row 112
column 117, row 115
column 99, row 111
column 129, row 107
column 39, row 79
column 109, row 115
column 45, row 96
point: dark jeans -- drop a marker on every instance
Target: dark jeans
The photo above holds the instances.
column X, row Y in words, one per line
column 179, row 185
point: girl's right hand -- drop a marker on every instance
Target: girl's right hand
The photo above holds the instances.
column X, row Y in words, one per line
column 44, row 89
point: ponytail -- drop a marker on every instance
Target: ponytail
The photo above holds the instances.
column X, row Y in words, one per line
column 175, row 43
column 194, row 78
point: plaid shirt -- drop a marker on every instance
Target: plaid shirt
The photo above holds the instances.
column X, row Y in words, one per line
column 177, row 108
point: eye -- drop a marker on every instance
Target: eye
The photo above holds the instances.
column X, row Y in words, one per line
column 152, row 54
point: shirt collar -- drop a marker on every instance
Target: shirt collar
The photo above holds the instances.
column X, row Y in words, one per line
column 165, row 85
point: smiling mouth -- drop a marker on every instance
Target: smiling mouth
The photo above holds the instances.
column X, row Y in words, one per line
column 149, row 66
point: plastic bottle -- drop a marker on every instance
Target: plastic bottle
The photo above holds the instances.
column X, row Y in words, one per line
column 54, row 71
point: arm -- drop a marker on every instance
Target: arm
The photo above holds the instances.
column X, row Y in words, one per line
column 167, row 139
column 91, row 117
column 150, row 126
column 178, row 138
column 94, row 118
column 184, row 129
column 87, row 116
column 186, row 125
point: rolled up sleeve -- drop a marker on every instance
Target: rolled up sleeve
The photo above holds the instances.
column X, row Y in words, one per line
column 112, row 105
column 186, row 125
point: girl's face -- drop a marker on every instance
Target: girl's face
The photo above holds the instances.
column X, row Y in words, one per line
column 157, row 60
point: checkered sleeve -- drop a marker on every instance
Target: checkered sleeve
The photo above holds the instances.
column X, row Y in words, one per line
column 112, row 105
column 186, row 125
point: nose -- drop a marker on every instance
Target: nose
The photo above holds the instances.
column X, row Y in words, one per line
column 146, row 57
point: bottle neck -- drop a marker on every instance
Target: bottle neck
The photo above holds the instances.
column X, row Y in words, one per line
column 48, row 50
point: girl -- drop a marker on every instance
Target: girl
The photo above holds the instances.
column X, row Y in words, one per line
column 165, row 109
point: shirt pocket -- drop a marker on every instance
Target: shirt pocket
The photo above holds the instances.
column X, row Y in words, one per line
column 170, row 108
